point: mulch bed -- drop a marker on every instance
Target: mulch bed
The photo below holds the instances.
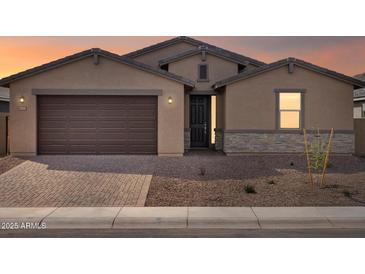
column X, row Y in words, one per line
column 279, row 180
column 8, row 162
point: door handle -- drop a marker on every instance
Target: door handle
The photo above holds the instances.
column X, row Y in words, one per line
column 205, row 128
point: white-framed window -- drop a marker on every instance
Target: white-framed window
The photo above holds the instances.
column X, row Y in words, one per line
column 203, row 72
column 290, row 110
column 363, row 110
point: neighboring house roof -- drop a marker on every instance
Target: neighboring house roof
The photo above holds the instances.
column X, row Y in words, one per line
column 360, row 76
column 4, row 94
column 199, row 50
column 359, row 94
column 232, row 55
column 285, row 62
column 94, row 52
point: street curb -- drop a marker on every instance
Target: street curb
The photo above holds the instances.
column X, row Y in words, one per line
column 186, row 217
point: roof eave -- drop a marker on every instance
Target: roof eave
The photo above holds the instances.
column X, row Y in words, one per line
column 284, row 62
column 188, row 40
column 158, row 46
column 190, row 53
column 5, row 82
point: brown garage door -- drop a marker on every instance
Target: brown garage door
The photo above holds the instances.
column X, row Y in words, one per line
column 97, row 124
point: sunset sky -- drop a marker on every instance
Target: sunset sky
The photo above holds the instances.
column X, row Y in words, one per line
column 342, row 54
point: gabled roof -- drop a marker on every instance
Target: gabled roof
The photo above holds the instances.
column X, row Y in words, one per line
column 234, row 56
column 360, row 76
column 285, row 62
column 93, row 52
column 199, row 50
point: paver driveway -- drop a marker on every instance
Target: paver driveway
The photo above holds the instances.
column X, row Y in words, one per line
column 78, row 181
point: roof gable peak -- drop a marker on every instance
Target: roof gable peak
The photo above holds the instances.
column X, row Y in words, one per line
column 192, row 41
column 284, row 62
column 91, row 52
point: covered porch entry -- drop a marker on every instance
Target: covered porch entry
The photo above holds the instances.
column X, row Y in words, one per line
column 201, row 118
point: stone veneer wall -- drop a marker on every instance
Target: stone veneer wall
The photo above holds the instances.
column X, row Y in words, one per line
column 218, row 139
column 187, row 138
column 237, row 142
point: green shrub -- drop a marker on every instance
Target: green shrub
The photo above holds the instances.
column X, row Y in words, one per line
column 250, row 189
column 317, row 153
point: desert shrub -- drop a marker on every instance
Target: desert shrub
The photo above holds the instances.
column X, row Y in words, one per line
column 250, row 189
column 317, row 152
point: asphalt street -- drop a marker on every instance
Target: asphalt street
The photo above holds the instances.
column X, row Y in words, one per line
column 184, row 233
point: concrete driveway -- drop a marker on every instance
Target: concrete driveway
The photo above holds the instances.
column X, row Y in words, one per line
column 55, row 181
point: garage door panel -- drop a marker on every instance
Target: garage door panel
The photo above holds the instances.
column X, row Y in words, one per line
column 142, row 124
column 97, row 125
column 53, row 149
column 54, row 135
column 81, row 125
column 83, row 149
column 137, row 136
column 52, row 124
column 81, row 136
column 113, row 112
column 119, row 136
column 113, row 125
column 52, row 113
column 50, row 107
column 141, row 113
column 82, row 113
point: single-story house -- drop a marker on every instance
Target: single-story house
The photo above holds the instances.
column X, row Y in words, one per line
column 174, row 96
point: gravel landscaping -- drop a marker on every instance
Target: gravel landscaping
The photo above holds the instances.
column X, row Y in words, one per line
column 8, row 162
column 278, row 180
column 198, row 179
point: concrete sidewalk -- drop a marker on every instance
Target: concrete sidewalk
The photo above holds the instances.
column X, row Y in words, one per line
column 182, row 217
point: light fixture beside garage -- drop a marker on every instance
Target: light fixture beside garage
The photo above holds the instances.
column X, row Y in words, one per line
column 21, row 99
column 169, row 100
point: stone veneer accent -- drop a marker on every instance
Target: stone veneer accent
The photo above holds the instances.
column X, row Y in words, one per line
column 277, row 142
column 187, row 138
column 218, row 139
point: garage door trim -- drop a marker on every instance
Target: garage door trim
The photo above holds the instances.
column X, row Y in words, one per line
column 108, row 92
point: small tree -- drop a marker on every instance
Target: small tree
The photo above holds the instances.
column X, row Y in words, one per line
column 317, row 153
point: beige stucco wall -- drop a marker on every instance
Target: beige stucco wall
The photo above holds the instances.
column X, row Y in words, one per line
column 250, row 103
column 153, row 58
column 218, row 69
column 107, row 74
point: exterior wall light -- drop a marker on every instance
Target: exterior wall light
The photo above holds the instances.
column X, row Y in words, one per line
column 169, row 100
column 21, row 99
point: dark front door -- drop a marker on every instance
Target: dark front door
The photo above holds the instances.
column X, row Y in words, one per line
column 199, row 120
